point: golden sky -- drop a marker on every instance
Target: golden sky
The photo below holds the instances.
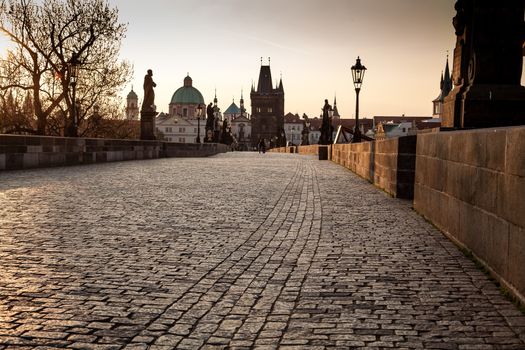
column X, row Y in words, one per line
column 312, row 43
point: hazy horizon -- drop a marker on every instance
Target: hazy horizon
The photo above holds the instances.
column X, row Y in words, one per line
column 312, row 43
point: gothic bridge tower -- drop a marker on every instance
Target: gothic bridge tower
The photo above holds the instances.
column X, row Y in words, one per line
column 267, row 110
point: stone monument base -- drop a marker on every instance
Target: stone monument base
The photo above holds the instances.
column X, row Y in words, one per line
column 484, row 106
column 147, row 125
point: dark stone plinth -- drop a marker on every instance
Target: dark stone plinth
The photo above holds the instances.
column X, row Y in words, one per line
column 323, row 152
column 147, row 125
column 487, row 66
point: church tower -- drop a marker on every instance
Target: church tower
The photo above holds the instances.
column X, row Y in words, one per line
column 132, row 105
column 445, row 86
column 336, row 115
column 267, row 109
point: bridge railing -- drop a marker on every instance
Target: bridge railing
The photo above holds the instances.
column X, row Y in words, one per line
column 24, row 152
column 469, row 184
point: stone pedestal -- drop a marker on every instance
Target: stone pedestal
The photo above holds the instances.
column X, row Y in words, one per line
column 323, row 152
column 487, row 66
column 483, row 106
column 147, row 125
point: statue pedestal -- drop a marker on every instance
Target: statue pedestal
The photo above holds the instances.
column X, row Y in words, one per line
column 488, row 62
column 483, row 106
column 147, row 125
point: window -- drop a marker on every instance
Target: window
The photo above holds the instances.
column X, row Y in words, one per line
column 182, row 129
column 168, row 129
column 195, row 130
column 270, row 110
column 185, row 112
column 258, row 109
column 181, row 139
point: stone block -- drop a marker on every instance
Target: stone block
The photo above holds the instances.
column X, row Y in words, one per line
column 474, row 152
column 515, row 151
column 421, row 199
column 496, row 244
column 101, row 157
column 436, row 173
column 2, row 161
column 421, row 169
column 34, row 148
column 14, row 161
column 516, row 262
column 496, row 146
column 484, row 188
column 458, row 180
column 406, row 162
column 12, row 140
column 403, row 184
column 510, row 203
column 474, row 225
column 31, row 160
column 451, row 210
column 407, row 144
column 72, row 158
column 426, row 145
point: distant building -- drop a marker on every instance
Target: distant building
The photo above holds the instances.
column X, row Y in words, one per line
column 186, row 100
column 267, row 110
column 132, row 106
column 241, row 125
column 396, row 126
column 180, row 124
column 293, row 128
column 445, row 87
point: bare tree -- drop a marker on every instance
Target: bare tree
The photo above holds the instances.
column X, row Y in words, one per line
column 47, row 36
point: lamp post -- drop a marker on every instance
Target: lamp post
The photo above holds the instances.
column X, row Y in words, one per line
column 73, row 66
column 199, row 113
column 358, row 73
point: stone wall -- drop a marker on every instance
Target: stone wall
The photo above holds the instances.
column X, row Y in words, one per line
column 388, row 164
column 471, row 185
column 312, row 150
column 23, row 152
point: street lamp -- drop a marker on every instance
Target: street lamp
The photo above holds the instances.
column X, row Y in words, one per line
column 358, row 73
column 73, row 67
column 199, row 113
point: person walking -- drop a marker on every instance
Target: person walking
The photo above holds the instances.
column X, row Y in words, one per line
column 261, row 146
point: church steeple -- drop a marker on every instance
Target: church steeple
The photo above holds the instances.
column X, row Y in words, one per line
column 241, row 102
column 336, row 112
column 280, row 86
column 445, row 86
column 447, row 81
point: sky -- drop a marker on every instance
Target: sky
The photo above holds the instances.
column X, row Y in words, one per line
column 312, row 45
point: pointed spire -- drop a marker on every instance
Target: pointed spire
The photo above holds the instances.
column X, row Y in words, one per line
column 447, row 81
column 215, row 99
column 336, row 112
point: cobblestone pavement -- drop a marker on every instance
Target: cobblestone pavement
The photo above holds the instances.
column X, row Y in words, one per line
column 236, row 251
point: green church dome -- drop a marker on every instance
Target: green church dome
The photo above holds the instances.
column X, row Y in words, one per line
column 187, row 94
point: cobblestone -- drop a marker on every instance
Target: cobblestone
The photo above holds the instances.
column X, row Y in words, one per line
column 241, row 251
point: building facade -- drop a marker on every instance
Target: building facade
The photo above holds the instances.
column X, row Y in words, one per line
column 267, row 105
column 182, row 123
